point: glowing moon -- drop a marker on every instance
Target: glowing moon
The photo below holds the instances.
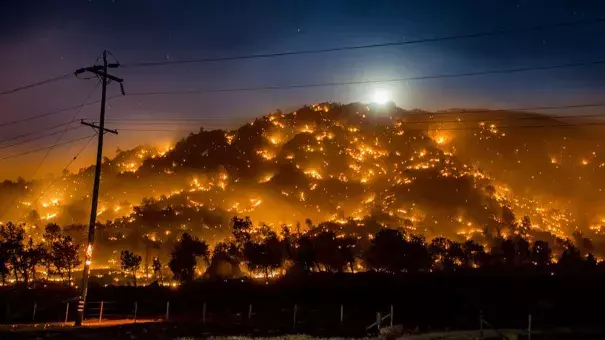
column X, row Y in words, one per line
column 380, row 97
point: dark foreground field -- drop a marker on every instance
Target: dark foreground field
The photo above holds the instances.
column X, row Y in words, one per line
column 313, row 304
column 162, row 331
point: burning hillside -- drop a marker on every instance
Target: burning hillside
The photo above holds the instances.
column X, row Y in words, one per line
column 460, row 174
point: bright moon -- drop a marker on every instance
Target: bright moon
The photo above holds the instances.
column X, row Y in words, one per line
column 380, row 97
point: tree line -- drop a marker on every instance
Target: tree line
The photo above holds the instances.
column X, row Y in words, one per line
column 21, row 257
column 265, row 253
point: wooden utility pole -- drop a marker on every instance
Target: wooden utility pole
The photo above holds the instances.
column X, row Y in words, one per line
column 101, row 72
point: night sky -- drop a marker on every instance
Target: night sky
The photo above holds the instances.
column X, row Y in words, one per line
column 43, row 39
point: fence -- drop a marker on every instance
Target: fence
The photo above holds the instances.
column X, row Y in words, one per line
column 324, row 319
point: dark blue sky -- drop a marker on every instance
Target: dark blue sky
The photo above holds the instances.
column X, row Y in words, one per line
column 41, row 39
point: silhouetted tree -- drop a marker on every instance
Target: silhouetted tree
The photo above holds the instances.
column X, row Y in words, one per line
column 184, row 257
column 241, row 230
column 522, row 251
column 417, row 255
column 157, row 269
column 348, row 252
column 226, row 258
column 571, row 259
column 33, row 255
column 304, row 255
column 331, row 252
column 583, row 244
column 288, row 240
column 541, row 254
column 33, row 217
column 388, row 251
column 3, row 265
column 149, row 243
column 447, row 253
column 508, row 217
column 65, row 257
column 474, row 254
column 130, row 262
column 525, row 226
column 11, row 242
column 590, row 261
column 52, row 232
column 264, row 255
column 309, row 223
column 503, row 252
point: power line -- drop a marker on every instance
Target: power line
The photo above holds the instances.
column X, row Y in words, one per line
column 34, row 132
column 39, row 137
column 66, row 167
column 430, row 121
column 286, row 87
column 157, row 130
column 45, row 148
column 39, row 83
column 527, row 108
column 65, row 130
column 168, row 123
column 54, row 112
column 50, row 148
column 360, row 47
column 562, row 125
column 187, row 120
column 176, row 119
column 50, row 113
column 62, row 171
column 407, row 128
column 392, row 80
column 314, row 51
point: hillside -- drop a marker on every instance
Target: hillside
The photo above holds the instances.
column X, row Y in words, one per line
column 460, row 173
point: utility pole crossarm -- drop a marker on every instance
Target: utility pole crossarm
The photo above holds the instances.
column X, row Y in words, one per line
column 96, row 127
column 95, row 68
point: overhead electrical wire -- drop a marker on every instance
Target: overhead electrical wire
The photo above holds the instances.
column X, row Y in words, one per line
column 36, row 84
column 329, row 50
column 294, row 86
column 311, row 51
column 45, row 148
column 49, row 148
column 46, row 114
column 358, row 82
column 462, row 112
column 40, row 137
column 408, row 127
column 371, row 46
column 65, row 168
column 33, row 132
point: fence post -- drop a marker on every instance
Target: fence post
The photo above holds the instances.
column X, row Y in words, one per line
column 392, row 315
column 204, row 314
column 66, row 311
column 341, row 314
column 34, row 312
column 378, row 320
column 101, row 313
column 167, row 310
column 294, row 320
column 481, row 324
column 136, row 307
column 249, row 312
column 529, row 327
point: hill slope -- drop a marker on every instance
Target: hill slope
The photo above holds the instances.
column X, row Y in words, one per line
column 459, row 174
